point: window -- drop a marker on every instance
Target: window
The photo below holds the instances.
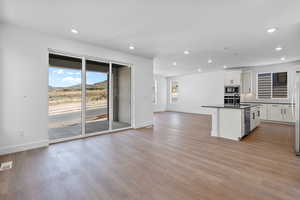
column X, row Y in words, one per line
column 174, row 92
column 272, row 85
column 279, row 87
column 154, row 97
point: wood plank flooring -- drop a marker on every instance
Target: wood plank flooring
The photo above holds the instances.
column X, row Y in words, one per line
column 175, row 160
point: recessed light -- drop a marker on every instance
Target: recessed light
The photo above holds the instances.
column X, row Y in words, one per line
column 209, row 61
column 174, row 63
column 186, row 52
column 199, row 70
column 272, row 30
column 279, row 48
column 73, row 30
column 131, row 47
column 225, row 67
column 282, row 58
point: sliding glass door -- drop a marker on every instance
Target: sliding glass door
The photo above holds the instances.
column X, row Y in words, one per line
column 97, row 87
column 87, row 97
column 64, row 97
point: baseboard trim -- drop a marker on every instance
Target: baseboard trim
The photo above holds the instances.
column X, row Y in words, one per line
column 187, row 112
column 158, row 111
column 144, row 124
column 23, row 147
column 277, row 122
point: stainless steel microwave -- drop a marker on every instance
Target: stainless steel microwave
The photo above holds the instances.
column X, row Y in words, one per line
column 232, row 89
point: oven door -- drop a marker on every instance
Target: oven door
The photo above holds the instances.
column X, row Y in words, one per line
column 228, row 100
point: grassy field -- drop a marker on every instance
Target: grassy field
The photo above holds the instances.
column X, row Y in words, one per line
column 94, row 96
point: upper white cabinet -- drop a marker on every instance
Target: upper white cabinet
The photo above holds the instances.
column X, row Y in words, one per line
column 246, row 82
column 232, row 78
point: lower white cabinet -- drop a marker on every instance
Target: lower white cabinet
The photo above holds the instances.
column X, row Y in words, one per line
column 255, row 117
column 288, row 113
column 263, row 109
column 277, row 112
column 280, row 113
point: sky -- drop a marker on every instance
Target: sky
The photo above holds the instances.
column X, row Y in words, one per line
column 63, row 77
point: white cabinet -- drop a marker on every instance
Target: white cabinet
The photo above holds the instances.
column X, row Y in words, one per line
column 246, row 82
column 280, row 112
column 275, row 112
column 231, row 123
column 263, row 111
column 255, row 117
column 288, row 113
column 232, row 78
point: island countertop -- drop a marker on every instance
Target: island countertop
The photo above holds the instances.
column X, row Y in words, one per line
column 231, row 106
column 232, row 121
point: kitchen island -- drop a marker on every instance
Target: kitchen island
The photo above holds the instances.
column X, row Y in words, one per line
column 233, row 121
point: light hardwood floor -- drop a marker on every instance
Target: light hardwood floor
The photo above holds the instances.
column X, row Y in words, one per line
column 175, row 160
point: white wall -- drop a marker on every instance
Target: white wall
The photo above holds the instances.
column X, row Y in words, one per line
column 286, row 67
column 161, row 104
column 196, row 90
column 24, row 84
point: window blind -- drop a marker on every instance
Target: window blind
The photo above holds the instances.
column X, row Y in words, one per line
column 264, row 86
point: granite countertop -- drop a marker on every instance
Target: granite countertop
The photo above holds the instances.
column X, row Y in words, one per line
column 231, row 106
column 263, row 102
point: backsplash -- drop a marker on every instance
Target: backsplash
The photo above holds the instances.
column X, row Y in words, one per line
column 251, row 97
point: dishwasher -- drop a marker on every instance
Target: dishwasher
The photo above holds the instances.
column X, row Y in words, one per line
column 247, row 121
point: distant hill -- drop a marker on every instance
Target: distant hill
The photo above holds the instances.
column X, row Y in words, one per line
column 102, row 84
column 99, row 85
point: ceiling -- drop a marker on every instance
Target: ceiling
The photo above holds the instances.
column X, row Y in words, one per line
column 230, row 32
